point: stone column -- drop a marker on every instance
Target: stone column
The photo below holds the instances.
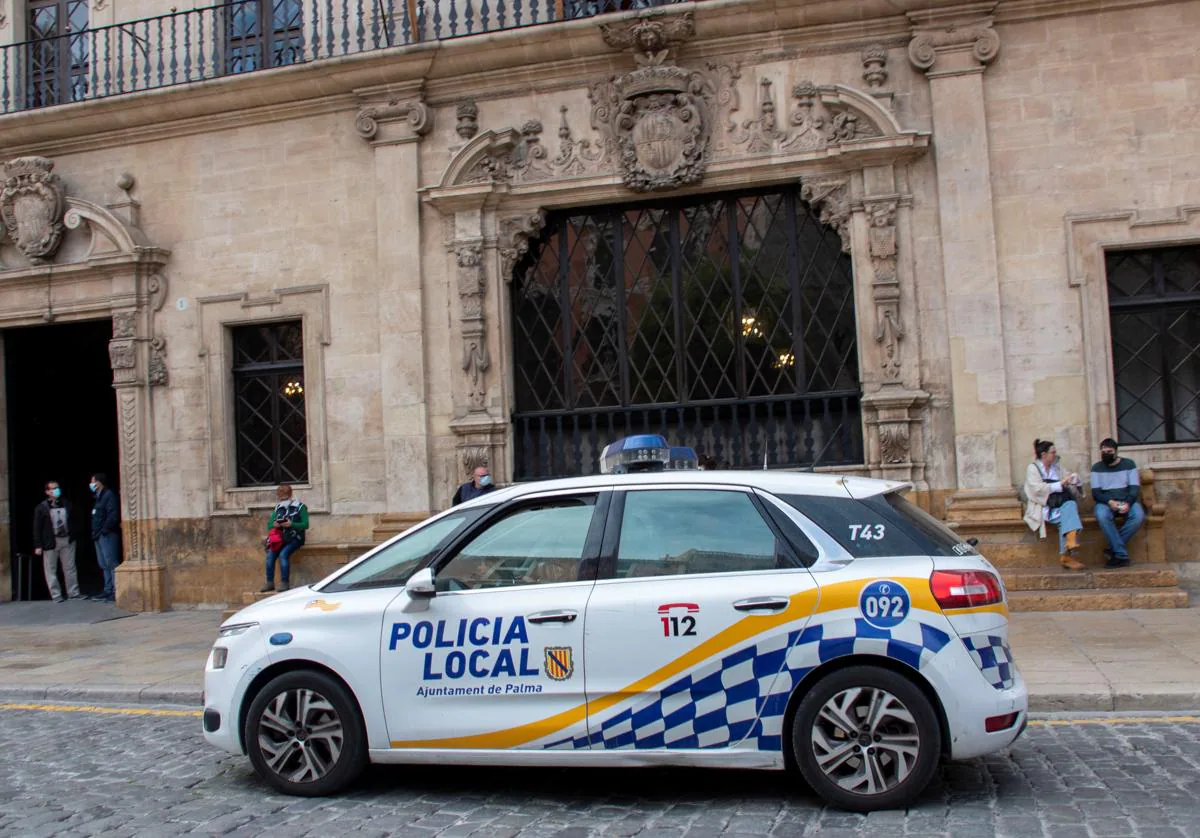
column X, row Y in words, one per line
column 137, row 359
column 954, row 52
column 394, row 129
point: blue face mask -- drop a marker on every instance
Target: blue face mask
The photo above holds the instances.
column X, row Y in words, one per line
column 56, row 491
column 485, row 481
column 93, row 487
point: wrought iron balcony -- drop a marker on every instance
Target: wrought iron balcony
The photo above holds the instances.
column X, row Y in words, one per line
column 247, row 35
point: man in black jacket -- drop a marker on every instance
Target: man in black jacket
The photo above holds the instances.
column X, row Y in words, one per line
column 52, row 540
column 106, row 529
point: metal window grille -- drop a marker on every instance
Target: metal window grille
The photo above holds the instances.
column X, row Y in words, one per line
column 1154, row 314
column 268, row 383
column 263, row 33
column 725, row 323
column 58, row 52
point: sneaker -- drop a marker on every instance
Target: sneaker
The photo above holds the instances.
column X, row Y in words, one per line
column 267, row 588
column 98, row 598
column 59, row 599
column 77, row 596
column 284, row 586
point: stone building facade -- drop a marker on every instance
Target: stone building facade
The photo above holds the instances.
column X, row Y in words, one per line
column 974, row 165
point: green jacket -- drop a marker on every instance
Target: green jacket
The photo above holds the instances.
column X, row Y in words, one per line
column 292, row 510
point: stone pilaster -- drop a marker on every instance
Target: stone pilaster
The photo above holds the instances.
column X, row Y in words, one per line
column 954, row 50
column 394, row 126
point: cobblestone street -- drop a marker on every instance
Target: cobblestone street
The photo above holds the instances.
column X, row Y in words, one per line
column 130, row 773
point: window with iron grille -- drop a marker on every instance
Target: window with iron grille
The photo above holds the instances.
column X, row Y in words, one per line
column 263, row 33
column 1154, row 314
column 58, row 62
column 723, row 322
column 268, row 384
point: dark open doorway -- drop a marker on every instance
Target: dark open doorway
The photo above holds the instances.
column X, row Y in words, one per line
column 62, row 425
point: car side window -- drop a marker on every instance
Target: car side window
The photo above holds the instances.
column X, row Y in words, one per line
column 393, row 564
column 669, row 532
column 536, row 544
column 864, row 530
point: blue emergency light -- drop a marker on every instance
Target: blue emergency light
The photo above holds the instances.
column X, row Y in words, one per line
column 683, row 457
column 643, row 452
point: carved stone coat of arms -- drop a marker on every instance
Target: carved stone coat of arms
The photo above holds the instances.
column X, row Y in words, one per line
column 32, row 202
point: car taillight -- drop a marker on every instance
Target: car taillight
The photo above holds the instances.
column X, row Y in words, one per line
column 965, row 588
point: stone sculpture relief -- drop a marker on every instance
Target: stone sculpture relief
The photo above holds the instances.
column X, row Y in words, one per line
column 874, row 60
column 830, row 198
column 515, row 235
column 467, row 116
column 894, row 443
column 32, row 204
column 889, row 329
column 819, row 120
column 475, row 358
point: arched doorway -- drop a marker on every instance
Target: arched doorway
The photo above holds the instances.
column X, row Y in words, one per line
column 724, row 322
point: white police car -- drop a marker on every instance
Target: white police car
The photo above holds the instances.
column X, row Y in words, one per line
column 682, row 617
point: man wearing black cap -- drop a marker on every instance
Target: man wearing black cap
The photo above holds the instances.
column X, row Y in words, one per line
column 106, row 528
column 1115, row 488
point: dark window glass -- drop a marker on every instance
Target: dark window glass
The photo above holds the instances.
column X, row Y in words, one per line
column 58, row 59
column 398, row 561
column 534, row 545
column 1154, row 315
column 725, row 323
column 681, row 531
column 882, row 525
column 268, row 384
column 263, row 33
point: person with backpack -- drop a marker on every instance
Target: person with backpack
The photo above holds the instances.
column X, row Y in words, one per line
column 287, row 527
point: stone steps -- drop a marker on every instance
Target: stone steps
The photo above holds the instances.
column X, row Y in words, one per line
column 1110, row 599
column 1086, row 580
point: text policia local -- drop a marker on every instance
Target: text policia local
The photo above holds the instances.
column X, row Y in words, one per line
column 501, row 647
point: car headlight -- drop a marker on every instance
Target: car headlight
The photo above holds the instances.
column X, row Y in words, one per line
column 219, row 657
column 236, row 629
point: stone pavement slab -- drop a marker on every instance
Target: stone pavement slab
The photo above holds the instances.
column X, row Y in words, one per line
column 1072, row 661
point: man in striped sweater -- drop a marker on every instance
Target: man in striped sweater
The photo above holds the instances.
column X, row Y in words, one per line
column 1115, row 488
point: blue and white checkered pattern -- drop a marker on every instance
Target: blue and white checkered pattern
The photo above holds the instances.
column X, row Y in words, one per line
column 744, row 694
column 993, row 657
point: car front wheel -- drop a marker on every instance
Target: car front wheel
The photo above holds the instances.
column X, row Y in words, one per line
column 304, row 734
column 866, row 738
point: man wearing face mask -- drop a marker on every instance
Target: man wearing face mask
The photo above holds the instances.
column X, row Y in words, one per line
column 106, row 528
column 53, row 542
column 1115, row 488
column 480, row 484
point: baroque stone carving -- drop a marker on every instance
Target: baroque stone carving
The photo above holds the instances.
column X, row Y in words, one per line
column 471, row 287
column 819, row 119
column 981, row 38
column 124, row 324
column 650, row 35
column 830, row 198
column 467, row 116
column 131, row 485
column 885, row 289
column 415, row 113
column 578, row 156
column 157, row 374
column 122, row 355
column 474, row 456
column 762, row 133
column 515, row 235
column 32, row 204
column 894, row 444
column 874, row 60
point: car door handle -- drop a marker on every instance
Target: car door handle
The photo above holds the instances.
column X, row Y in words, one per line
column 552, row 617
column 762, row 603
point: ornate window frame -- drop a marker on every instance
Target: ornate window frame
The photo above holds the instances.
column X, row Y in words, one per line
column 844, row 145
column 216, row 315
column 1088, row 237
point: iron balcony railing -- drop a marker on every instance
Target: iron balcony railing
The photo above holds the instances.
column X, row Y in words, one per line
column 249, row 35
column 776, row 432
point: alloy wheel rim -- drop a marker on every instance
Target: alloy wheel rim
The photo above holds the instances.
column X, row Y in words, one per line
column 300, row 735
column 865, row 740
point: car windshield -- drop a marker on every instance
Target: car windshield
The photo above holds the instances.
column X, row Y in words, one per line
column 396, row 562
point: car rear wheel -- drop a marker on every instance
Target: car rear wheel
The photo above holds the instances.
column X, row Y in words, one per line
column 866, row 738
column 304, row 734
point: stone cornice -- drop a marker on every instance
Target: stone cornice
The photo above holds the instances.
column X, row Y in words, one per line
column 486, row 66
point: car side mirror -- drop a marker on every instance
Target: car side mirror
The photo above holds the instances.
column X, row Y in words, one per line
column 421, row 584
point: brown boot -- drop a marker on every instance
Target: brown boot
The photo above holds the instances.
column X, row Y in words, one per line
column 1068, row 558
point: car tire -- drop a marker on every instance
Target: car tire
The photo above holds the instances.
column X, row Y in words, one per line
column 888, row 760
column 304, row 734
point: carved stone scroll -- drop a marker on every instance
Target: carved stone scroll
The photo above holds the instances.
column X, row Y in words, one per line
column 415, row 113
column 830, row 198
column 981, row 39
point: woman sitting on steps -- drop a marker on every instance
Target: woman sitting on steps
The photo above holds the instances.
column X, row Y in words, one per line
column 1050, row 495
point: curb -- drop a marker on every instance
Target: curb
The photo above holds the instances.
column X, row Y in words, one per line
column 107, row 695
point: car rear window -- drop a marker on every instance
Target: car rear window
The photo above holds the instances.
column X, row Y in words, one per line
column 883, row 525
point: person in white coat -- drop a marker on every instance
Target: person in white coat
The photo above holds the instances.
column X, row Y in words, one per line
column 1050, row 498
